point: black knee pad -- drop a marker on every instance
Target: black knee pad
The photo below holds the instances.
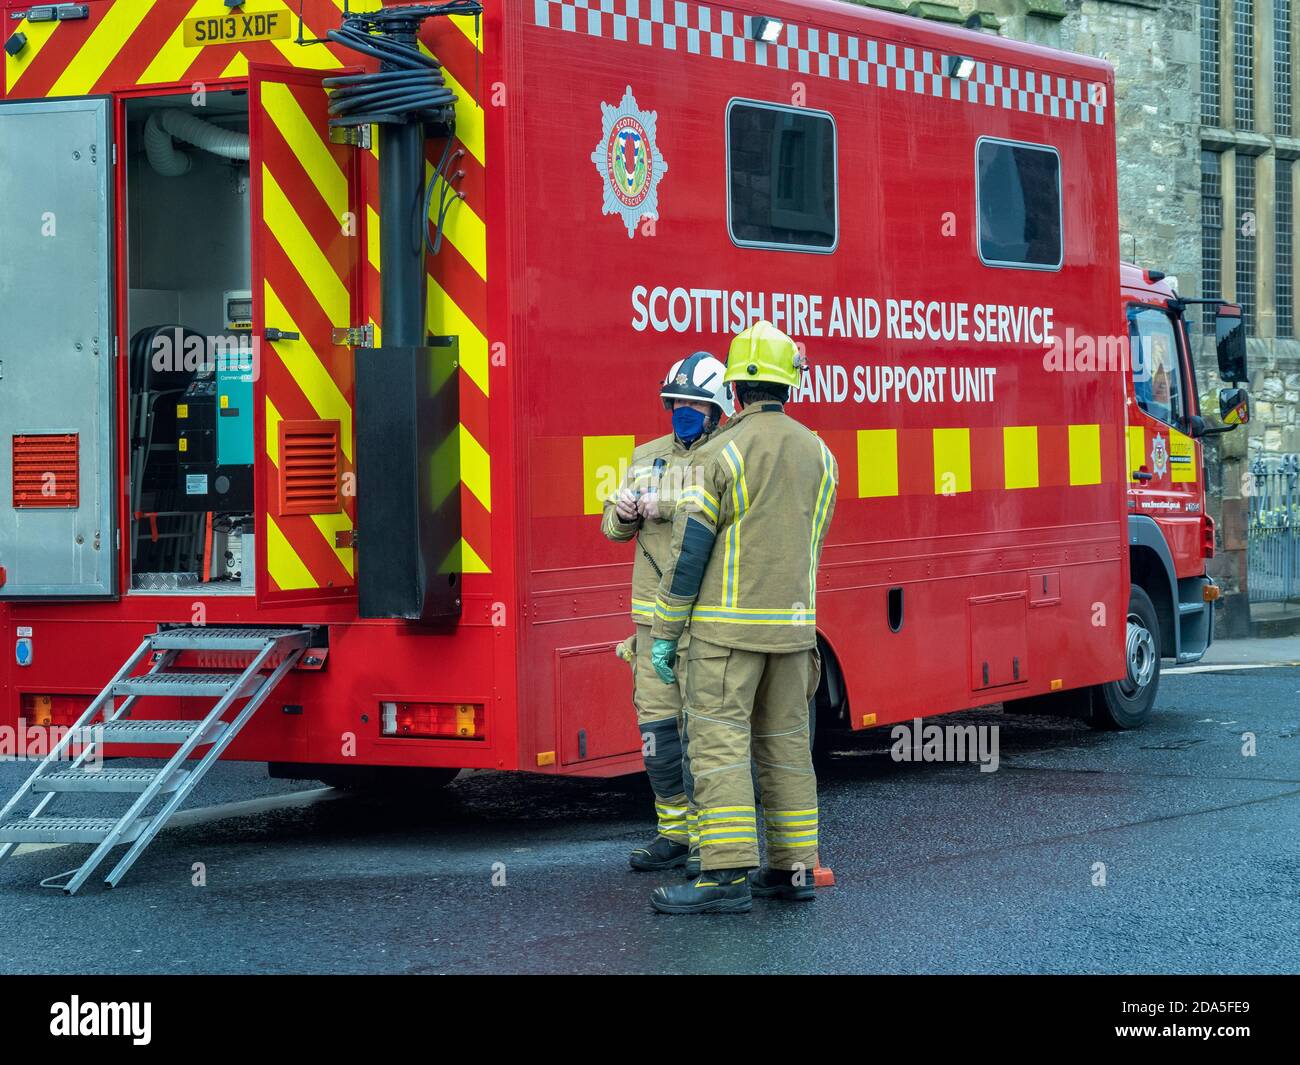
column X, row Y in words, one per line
column 688, row 778
column 663, row 759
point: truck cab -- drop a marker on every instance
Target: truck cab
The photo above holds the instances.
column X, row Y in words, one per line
column 1171, row 535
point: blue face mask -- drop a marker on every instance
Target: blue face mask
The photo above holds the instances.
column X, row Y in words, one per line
column 688, row 424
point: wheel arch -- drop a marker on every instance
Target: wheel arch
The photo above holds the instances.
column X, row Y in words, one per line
column 832, row 698
column 1151, row 567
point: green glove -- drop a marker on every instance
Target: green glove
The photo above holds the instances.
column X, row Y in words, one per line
column 662, row 655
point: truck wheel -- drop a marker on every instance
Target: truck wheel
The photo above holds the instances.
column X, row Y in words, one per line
column 1126, row 703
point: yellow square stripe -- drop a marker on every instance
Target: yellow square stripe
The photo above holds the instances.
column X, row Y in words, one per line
column 877, row 463
column 951, row 461
column 1136, row 442
column 1085, row 454
column 1181, row 447
column 604, row 462
column 1020, row 456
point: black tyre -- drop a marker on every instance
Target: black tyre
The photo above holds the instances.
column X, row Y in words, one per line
column 1126, row 703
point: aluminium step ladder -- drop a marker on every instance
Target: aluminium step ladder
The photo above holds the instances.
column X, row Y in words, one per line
column 276, row 650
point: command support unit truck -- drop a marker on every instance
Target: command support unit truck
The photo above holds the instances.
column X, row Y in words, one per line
column 329, row 329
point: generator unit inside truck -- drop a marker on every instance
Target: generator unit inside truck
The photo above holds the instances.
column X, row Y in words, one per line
column 189, row 354
column 314, row 384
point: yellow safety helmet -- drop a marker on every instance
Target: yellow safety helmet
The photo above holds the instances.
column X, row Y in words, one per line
column 764, row 353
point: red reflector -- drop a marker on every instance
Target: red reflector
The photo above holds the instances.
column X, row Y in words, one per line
column 454, row 721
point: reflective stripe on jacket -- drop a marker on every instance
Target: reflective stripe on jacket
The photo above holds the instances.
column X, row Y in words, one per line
column 748, row 535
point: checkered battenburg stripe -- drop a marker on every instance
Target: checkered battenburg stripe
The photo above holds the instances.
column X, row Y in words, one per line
column 703, row 30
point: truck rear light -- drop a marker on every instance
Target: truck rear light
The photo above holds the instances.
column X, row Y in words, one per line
column 455, row 721
column 1208, row 534
column 38, row 710
column 47, row 711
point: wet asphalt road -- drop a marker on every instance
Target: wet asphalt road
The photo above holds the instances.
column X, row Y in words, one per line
column 939, row 867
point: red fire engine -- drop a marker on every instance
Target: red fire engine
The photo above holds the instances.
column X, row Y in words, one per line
column 289, row 474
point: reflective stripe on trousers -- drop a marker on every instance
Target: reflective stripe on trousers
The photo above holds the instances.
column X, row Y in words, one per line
column 742, row 705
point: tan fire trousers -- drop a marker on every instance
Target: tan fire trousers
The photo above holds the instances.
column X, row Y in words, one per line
column 658, row 714
column 743, row 704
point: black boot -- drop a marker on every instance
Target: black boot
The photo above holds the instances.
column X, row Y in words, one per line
column 691, row 867
column 780, row 884
column 714, row 891
column 663, row 853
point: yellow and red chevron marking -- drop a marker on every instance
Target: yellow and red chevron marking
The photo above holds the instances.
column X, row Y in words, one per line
column 139, row 42
column 457, row 277
column 307, row 268
column 130, row 43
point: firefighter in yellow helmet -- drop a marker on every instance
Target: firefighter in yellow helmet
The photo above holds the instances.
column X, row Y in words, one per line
column 747, row 537
column 696, row 397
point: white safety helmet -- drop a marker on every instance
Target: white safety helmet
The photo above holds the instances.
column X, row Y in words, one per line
column 699, row 378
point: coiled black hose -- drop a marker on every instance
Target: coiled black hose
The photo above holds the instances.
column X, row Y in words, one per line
column 408, row 87
column 411, row 87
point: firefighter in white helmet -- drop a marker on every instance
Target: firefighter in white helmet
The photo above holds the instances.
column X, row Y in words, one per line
column 742, row 571
column 697, row 398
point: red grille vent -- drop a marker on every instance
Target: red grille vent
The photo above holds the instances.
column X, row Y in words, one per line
column 46, row 471
column 309, row 467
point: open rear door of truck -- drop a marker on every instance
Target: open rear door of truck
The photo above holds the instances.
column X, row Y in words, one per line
column 306, row 242
column 58, row 535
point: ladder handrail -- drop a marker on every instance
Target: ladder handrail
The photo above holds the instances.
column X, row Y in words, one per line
column 89, row 712
column 214, row 751
column 251, row 685
column 76, row 763
column 130, row 817
column 79, row 727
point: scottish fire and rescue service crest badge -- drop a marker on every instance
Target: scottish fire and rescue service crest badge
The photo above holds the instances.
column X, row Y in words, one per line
column 1159, row 455
column 628, row 162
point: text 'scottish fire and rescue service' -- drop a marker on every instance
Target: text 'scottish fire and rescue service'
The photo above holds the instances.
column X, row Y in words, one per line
column 717, row 310
column 703, row 310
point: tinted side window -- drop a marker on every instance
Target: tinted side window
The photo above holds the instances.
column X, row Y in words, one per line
column 1019, row 204
column 1157, row 369
column 781, row 177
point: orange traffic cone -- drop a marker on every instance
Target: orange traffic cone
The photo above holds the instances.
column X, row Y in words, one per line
column 823, row 876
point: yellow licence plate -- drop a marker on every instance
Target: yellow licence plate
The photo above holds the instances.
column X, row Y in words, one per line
column 237, row 28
